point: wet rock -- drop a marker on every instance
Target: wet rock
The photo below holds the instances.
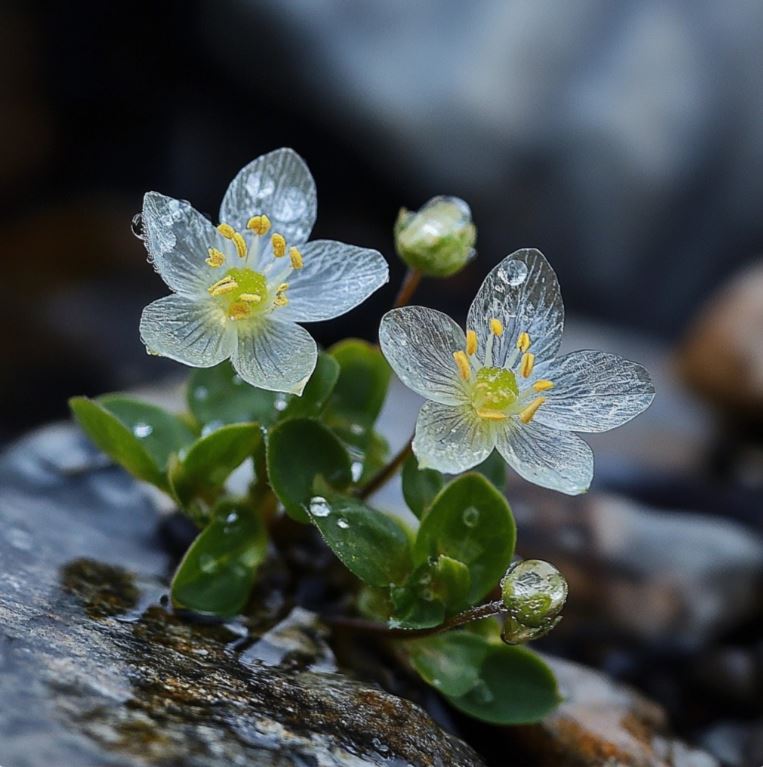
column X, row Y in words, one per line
column 722, row 357
column 677, row 579
column 603, row 723
column 95, row 668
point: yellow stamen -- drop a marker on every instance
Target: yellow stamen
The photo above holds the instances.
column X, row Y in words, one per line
column 238, row 310
column 259, row 225
column 250, row 298
column 226, row 230
column 222, row 287
column 296, row 258
column 529, row 412
column 496, row 327
column 543, row 385
column 279, row 245
column 491, row 415
column 240, row 243
column 462, row 363
column 523, row 342
column 526, row 364
column 282, row 287
column 280, row 300
column 471, row 342
column 216, row 258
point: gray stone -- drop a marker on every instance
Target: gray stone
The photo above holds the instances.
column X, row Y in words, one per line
column 96, row 670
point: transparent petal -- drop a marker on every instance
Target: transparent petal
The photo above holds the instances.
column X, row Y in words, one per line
column 334, row 278
column 279, row 185
column 192, row 332
column 555, row 459
column 523, row 293
column 178, row 239
column 451, row 439
column 594, row 391
column 419, row 344
column 275, row 355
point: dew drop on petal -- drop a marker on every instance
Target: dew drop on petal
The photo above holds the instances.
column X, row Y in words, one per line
column 471, row 516
column 319, row 507
column 516, row 272
column 142, row 430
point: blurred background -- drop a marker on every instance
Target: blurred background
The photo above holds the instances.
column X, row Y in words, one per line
column 625, row 140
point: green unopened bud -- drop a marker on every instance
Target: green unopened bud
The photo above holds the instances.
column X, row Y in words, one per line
column 534, row 593
column 438, row 239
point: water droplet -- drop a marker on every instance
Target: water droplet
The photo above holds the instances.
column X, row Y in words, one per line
column 516, row 272
column 232, row 518
column 136, row 225
column 201, row 393
column 207, row 563
column 357, row 428
column 357, row 470
column 343, row 523
column 319, row 507
column 280, row 403
column 471, row 516
column 142, row 430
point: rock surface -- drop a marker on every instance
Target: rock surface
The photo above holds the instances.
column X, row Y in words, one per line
column 96, row 670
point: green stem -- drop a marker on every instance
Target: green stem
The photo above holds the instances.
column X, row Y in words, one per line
column 408, row 288
column 460, row 619
column 386, row 473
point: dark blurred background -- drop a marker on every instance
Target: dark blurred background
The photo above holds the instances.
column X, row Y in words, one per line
column 623, row 139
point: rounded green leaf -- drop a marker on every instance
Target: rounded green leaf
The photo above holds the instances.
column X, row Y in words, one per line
column 514, row 687
column 470, row 521
column 203, row 467
column 450, row 662
column 218, row 396
column 299, row 452
column 370, row 544
column 420, row 486
column 317, row 391
column 217, row 572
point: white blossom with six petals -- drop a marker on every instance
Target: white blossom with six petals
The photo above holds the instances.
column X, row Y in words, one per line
column 240, row 289
column 500, row 384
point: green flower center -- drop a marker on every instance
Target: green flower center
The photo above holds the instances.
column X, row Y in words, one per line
column 241, row 292
column 495, row 389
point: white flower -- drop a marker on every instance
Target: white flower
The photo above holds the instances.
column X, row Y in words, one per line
column 501, row 386
column 240, row 288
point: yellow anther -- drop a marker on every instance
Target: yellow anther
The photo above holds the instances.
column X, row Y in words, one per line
column 296, row 258
column 240, row 243
column 226, row 285
column 471, row 342
column 250, row 298
column 226, row 230
column 280, row 300
column 216, row 258
column 496, row 327
column 462, row 363
column 529, row 412
column 523, row 342
column 282, row 287
column 526, row 364
column 543, row 385
column 239, row 310
column 491, row 415
column 259, row 225
column 279, row 245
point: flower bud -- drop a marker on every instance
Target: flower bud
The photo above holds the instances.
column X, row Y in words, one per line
column 438, row 239
column 534, row 593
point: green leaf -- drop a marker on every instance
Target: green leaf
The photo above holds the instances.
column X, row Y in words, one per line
column 138, row 436
column 370, row 544
column 218, row 396
column 362, row 386
column 449, row 662
column 436, row 589
column 203, row 468
column 515, row 687
column 217, row 572
column 299, row 451
column 494, row 468
column 470, row 521
column 317, row 391
column 420, row 486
